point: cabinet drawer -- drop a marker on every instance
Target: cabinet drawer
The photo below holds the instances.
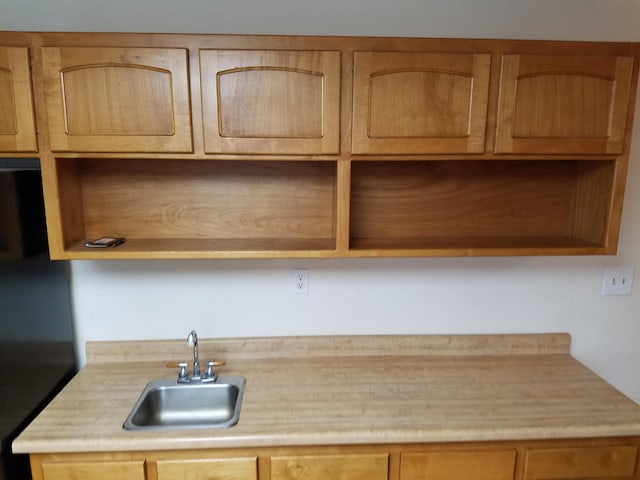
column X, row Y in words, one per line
column 107, row 470
column 583, row 463
column 487, row 465
column 333, row 467
column 207, row 469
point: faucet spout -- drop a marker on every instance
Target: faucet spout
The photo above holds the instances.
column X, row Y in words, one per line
column 192, row 341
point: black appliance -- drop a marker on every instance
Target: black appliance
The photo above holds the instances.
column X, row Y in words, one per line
column 36, row 340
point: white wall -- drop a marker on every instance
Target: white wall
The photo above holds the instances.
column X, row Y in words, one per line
column 165, row 299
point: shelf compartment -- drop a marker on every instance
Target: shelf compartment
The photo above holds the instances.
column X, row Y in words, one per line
column 480, row 207
column 197, row 208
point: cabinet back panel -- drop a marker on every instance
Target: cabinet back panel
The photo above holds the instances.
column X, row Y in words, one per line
column 217, row 199
column 407, row 200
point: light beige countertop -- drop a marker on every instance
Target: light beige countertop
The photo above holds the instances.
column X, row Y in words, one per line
column 346, row 390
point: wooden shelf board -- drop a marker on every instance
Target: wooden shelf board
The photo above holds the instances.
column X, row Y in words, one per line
column 208, row 248
column 473, row 246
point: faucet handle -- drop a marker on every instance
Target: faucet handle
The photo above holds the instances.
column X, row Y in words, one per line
column 210, row 375
column 183, row 374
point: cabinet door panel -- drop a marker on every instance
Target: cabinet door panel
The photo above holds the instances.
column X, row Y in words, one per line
column 107, row 470
column 17, row 125
column 334, row 467
column 208, row 469
column 563, row 105
column 117, row 99
column 499, row 465
column 271, row 102
column 581, row 463
column 419, row 102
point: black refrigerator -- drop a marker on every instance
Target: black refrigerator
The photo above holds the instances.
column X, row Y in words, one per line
column 36, row 334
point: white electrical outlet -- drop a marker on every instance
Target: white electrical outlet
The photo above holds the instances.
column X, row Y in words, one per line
column 617, row 281
column 301, row 281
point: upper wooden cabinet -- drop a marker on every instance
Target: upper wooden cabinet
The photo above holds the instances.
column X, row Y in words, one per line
column 246, row 146
column 563, row 104
column 17, row 125
column 117, row 99
column 411, row 103
column 271, row 102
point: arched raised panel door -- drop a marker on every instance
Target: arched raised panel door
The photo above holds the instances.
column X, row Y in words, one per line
column 412, row 103
column 17, row 125
column 117, row 99
column 556, row 104
column 271, row 102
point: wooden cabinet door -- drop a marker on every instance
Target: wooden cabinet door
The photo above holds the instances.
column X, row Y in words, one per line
column 606, row 462
column 560, row 104
column 117, row 99
column 412, row 103
column 17, row 125
column 334, row 467
column 98, row 470
column 271, row 102
column 476, row 465
column 206, row 469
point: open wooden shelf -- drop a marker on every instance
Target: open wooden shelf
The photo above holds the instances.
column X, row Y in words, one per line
column 198, row 208
column 474, row 207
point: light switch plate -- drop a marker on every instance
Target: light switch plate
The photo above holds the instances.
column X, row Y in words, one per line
column 617, row 281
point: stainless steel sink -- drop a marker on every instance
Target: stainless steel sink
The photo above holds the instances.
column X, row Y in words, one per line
column 165, row 404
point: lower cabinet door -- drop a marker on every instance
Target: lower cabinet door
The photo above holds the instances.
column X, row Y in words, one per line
column 107, row 470
column 607, row 462
column 330, row 467
column 208, row 469
column 476, row 465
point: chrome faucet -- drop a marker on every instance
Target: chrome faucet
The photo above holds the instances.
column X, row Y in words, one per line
column 192, row 341
column 209, row 375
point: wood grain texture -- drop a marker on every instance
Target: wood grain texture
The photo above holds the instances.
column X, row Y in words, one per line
column 473, row 465
column 576, row 463
column 335, row 467
column 449, row 203
column 266, row 348
column 110, row 470
column 208, row 200
column 348, row 399
column 117, row 99
column 204, row 469
column 17, row 121
column 419, row 102
column 554, row 104
column 274, row 102
column 468, row 99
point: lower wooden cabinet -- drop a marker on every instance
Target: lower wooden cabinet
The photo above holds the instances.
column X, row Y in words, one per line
column 581, row 463
column 206, row 469
column 580, row 459
column 334, row 467
column 477, row 465
column 94, row 470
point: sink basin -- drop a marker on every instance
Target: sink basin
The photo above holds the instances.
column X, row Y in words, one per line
column 165, row 404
